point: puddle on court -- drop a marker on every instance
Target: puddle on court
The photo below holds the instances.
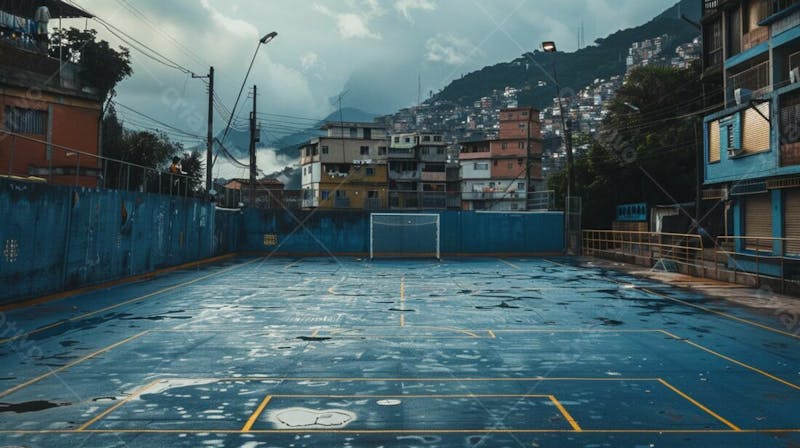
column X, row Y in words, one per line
column 293, row 418
column 30, row 406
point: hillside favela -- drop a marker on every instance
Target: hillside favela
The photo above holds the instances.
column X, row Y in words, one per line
column 399, row 223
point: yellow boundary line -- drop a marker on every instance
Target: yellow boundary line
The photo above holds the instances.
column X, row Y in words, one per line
column 776, row 431
column 70, row 365
column 259, row 410
column 696, row 306
column 117, row 405
column 127, row 302
column 735, row 361
column 111, row 283
column 567, row 416
column 699, row 405
column 510, row 264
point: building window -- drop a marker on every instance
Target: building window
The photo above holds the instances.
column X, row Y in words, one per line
column 325, row 195
column 495, row 163
column 372, row 194
column 437, row 138
column 426, row 138
column 407, row 140
column 426, row 151
column 370, row 171
column 341, row 194
column 25, row 121
column 381, row 150
column 523, row 125
column 505, row 146
column 521, row 145
column 365, row 150
column 511, row 165
column 440, row 151
column 353, row 132
column 521, row 186
column 481, row 167
column 324, row 149
column 397, row 139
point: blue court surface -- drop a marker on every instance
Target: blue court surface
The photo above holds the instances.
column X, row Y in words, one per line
column 258, row 352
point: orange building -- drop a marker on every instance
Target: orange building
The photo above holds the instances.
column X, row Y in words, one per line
column 50, row 120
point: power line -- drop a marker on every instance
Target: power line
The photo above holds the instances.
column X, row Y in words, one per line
column 154, row 120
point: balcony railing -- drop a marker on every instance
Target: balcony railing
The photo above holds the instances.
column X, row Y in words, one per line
column 710, row 6
column 493, row 195
column 403, row 175
column 755, row 37
column 755, row 79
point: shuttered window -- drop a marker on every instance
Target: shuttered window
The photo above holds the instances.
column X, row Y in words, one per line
column 25, row 121
column 791, row 222
column 758, row 222
column 756, row 134
column 713, row 142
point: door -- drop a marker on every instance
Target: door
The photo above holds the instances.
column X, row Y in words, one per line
column 791, row 222
column 758, row 222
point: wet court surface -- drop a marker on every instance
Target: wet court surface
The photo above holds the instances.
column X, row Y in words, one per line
column 472, row 353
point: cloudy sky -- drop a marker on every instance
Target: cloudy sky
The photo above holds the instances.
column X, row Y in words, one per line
column 374, row 49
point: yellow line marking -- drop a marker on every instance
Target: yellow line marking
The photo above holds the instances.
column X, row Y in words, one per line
column 737, row 362
column 491, row 334
column 400, row 431
column 700, row 307
column 433, row 396
column 581, row 330
column 260, row 409
column 510, row 264
column 699, row 405
column 425, row 380
column 403, row 301
column 113, row 408
column 70, row 365
column 293, row 264
column 723, row 314
column 315, row 333
column 127, row 302
column 567, row 416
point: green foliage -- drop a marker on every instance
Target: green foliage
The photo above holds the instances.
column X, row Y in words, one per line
column 102, row 67
column 152, row 150
column 648, row 155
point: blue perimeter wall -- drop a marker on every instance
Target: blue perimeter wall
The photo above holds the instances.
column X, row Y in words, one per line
column 59, row 238
column 55, row 238
column 462, row 233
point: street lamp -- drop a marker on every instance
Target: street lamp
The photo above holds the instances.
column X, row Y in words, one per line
column 550, row 47
column 253, row 169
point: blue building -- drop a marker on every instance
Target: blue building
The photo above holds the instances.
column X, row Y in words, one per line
column 752, row 145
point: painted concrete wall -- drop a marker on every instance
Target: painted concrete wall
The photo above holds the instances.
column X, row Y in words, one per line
column 57, row 238
column 462, row 233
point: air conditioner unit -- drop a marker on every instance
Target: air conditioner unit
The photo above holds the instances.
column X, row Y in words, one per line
column 742, row 96
column 794, row 75
column 735, row 152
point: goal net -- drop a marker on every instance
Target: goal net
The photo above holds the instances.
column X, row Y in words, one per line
column 399, row 235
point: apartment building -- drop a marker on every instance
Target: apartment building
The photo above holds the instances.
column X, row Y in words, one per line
column 347, row 168
column 418, row 173
column 752, row 146
column 499, row 174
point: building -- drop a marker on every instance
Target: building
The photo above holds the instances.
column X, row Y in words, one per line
column 50, row 118
column 498, row 174
column 270, row 194
column 418, row 172
column 347, row 169
column 752, row 145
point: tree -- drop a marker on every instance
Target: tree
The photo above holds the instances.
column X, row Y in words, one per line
column 646, row 148
column 101, row 66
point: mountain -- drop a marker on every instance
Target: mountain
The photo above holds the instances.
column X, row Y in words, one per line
column 575, row 70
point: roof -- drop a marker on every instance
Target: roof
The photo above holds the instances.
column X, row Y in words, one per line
column 352, row 124
column 259, row 182
column 58, row 8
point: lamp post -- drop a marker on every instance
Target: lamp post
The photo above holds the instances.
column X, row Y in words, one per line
column 253, row 166
column 550, row 47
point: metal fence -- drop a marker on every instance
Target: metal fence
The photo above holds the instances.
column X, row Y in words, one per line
column 753, row 261
column 72, row 167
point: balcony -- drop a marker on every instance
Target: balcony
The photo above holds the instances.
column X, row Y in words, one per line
column 492, row 195
column 755, row 79
column 790, row 129
column 431, row 176
column 710, row 7
column 475, row 155
column 402, row 153
column 403, row 175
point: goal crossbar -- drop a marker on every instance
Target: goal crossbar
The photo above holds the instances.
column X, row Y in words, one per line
column 405, row 235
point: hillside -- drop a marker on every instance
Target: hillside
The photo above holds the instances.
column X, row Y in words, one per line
column 604, row 59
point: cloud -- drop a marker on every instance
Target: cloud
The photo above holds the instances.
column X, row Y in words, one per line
column 449, row 49
column 406, row 7
column 309, row 60
column 238, row 27
column 355, row 25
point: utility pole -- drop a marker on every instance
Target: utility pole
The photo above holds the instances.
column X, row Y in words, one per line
column 210, row 136
column 253, row 140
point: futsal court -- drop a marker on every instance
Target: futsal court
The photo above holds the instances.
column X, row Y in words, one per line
column 332, row 352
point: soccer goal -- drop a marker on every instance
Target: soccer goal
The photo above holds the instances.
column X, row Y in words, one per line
column 399, row 235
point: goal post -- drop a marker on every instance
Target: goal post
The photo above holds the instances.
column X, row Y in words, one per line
column 401, row 235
